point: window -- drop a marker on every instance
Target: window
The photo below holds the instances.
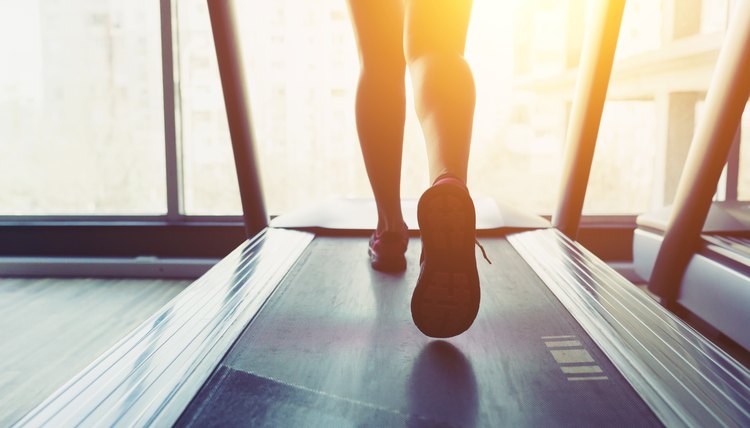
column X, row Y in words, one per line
column 209, row 182
column 81, row 108
column 641, row 27
column 303, row 99
column 624, row 168
column 714, row 15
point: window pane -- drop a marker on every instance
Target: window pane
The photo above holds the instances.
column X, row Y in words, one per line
column 623, row 173
column 210, row 183
column 641, row 27
column 81, row 108
column 714, row 15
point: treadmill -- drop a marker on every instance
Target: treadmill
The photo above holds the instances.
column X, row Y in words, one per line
column 695, row 254
column 293, row 328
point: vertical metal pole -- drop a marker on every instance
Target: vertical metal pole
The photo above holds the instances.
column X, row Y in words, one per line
column 594, row 70
column 733, row 167
column 727, row 95
column 171, row 153
column 237, row 103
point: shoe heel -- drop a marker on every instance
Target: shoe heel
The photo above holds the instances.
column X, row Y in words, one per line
column 446, row 299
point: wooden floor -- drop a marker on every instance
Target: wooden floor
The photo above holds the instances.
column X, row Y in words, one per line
column 50, row 329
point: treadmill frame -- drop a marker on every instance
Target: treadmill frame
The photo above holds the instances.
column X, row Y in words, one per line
column 726, row 99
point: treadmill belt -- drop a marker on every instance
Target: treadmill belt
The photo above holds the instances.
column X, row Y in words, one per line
column 335, row 346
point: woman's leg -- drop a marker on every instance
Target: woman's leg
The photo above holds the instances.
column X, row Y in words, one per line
column 446, row 298
column 444, row 91
column 380, row 105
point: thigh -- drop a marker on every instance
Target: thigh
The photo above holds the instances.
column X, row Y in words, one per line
column 379, row 29
column 436, row 26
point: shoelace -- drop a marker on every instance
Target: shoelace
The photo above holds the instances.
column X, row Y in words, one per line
column 484, row 253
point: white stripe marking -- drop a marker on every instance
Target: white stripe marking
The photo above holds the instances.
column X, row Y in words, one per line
column 581, row 369
column 558, row 337
column 569, row 356
column 563, row 344
column 579, row 378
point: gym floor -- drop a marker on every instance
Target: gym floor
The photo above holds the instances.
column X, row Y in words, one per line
column 53, row 328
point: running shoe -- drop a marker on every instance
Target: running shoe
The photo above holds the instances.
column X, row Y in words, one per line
column 387, row 250
column 446, row 299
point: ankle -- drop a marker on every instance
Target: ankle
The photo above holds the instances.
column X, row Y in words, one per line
column 397, row 226
column 449, row 178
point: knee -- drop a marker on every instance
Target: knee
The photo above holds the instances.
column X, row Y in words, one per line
column 383, row 65
column 439, row 47
column 427, row 66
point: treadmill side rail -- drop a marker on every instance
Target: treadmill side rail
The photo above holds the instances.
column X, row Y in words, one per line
column 150, row 376
column 716, row 284
column 685, row 379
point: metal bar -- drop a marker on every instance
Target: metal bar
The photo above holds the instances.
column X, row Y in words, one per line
column 121, row 239
column 237, row 104
column 171, row 154
column 726, row 98
column 586, row 112
column 733, row 168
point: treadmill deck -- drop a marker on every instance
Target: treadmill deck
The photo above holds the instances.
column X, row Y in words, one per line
column 335, row 346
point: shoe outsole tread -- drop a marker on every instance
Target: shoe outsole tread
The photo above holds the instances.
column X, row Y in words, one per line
column 445, row 302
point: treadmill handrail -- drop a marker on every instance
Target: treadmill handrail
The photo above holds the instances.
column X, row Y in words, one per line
column 725, row 101
column 597, row 56
column 237, row 103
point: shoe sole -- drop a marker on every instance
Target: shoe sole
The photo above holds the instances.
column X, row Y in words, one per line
column 446, row 299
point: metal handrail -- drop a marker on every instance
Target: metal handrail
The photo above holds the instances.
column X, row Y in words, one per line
column 725, row 102
column 594, row 72
column 237, row 103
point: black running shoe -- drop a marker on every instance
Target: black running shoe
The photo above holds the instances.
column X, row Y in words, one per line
column 387, row 250
column 446, row 299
